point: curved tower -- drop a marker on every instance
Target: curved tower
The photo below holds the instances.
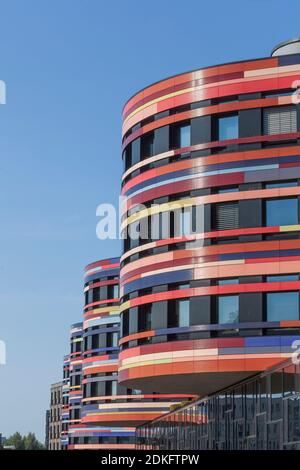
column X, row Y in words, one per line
column 202, row 309
column 109, row 411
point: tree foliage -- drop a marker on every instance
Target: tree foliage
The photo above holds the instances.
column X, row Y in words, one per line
column 26, row 442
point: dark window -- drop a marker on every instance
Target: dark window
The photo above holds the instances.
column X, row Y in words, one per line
column 144, row 317
column 127, row 157
column 179, row 313
column 125, row 323
column 96, row 294
column 227, row 215
column 147, row 143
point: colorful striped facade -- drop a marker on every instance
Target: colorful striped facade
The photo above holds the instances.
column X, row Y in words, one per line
column 202, row 310
column 104, row 414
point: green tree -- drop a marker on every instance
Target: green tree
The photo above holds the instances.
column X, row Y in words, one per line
column 28, row 442
column 31, row 442
column 15, row 440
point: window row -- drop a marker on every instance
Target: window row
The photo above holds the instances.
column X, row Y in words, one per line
column 102, row 293
column 205, row 103
column 97, row 389
column 101, row 341
column 275, row 120
column 211, row 282
column 221, row 216
column 203, row 310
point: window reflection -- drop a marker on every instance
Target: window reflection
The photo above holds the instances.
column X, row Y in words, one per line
column 228, row 128
column 228, row 309
column 282, row 212
column 282, row 306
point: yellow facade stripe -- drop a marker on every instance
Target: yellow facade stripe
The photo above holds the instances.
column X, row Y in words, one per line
column 289, row 228
column 248, row 77
column 111, row 310
column 157, row 209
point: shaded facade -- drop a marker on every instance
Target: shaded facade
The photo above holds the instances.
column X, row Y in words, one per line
column 47, row 421
column 262, row 413
column 65, row 403
column 204, row 309
column 55, row 417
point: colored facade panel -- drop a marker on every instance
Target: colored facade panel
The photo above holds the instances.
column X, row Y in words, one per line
column 210, row 304
column 102, row 414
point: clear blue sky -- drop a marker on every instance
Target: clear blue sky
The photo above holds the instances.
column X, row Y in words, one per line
column 69, row 65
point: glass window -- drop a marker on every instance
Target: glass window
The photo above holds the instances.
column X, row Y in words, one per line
column 283, row 278
column 282, row 211
column 181, row 136
column 144, row 317
column 230, row 189
column 224, row 282
column 127, row 157
column 115, row 291
column 228, row 127
column 185, row 223
column 114, row 387
column 282, row 184
column 183, row 312
column 282, row 306
column 148, row 145
column 185, row 136
column 228, row 308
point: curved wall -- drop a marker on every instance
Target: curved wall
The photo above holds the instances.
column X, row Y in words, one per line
column 109, row 411
column 203, row 310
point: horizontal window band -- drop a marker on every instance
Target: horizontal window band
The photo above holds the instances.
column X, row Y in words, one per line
column 218, row 158
column 215, row 327
column 210, row 199
column 211, row 290
column 208, row 235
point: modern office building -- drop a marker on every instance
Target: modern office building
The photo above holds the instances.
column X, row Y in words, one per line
column 207, row 297
column 204, row 310
column 55, row 416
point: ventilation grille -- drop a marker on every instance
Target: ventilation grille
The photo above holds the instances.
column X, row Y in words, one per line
column 281, row 120
column 227, row 216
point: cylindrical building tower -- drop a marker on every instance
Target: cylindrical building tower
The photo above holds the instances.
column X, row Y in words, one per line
column 109, row 411
column 204, row 309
